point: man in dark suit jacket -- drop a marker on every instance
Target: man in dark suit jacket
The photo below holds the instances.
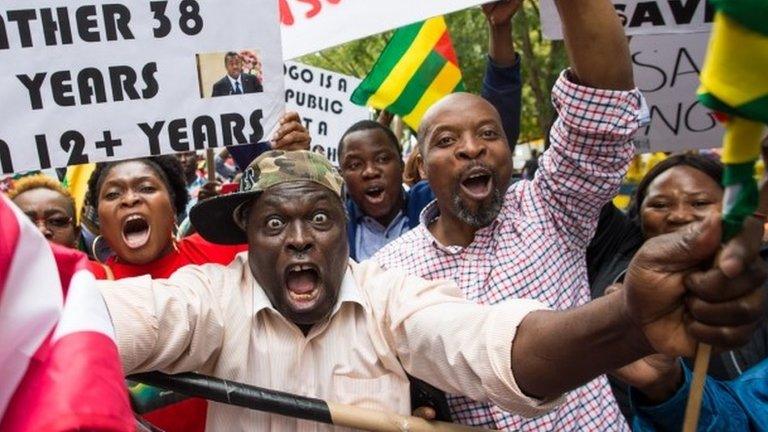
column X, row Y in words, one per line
column 235, row 82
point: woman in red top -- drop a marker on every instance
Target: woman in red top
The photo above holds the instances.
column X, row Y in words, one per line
column 137, row 202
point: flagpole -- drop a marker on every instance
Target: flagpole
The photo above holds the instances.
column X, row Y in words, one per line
column 287, row 404
column 210, row 164
column 693, row 407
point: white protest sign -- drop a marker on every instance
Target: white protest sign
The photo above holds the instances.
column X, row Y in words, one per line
column 312, row 25
column 321, row 98
column 666, row 69
column 85, row 81
column 643, row 17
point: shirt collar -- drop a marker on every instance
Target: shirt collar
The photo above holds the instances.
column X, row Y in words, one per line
column 399, row 218
column 349, row 292
column 238, row 80
column 356, row 213
column 431, row 211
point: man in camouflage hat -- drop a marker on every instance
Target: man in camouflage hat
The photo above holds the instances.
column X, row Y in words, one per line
column 296, row 314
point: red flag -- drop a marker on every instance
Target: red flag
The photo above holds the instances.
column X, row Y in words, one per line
column 58, row 361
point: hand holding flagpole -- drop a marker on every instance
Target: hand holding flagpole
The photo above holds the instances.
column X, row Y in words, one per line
column 733, row 84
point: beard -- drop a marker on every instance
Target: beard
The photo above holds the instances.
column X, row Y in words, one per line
column 485, row 212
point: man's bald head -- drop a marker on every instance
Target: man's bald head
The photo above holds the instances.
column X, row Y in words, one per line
column 453, row 105
column 466, row 158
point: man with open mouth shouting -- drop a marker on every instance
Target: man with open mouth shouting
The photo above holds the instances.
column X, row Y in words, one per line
column 528, row 239
column 295, row 314
column 380, row 209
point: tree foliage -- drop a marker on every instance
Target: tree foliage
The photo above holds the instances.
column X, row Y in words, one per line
column 542, row 60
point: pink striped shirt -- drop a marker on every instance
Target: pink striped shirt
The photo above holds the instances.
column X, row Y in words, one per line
column 536, row 246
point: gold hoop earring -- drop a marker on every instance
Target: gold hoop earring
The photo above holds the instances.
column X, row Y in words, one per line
column 175, row 238
column 93, row 249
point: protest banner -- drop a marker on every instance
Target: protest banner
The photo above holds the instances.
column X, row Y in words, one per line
column 321, row 98
column 313, row 25
column 643, row 17
column 93, row 81
column 666, row 69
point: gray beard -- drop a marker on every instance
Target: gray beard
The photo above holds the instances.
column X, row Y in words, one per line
column 483, row 216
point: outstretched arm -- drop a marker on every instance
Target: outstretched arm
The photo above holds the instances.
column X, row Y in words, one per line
column 597, row 47
column 668, row 304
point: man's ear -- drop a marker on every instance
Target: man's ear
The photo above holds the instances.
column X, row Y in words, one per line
column 420, row 167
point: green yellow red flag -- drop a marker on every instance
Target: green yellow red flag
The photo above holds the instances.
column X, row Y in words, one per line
column 734, row 84
column 417, row 68
column 76, row 181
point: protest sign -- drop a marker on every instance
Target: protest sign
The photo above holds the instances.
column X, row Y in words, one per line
column 312, row 25
column 643, row 17
column 321, row 98
column 666, row 69
column 94, row 81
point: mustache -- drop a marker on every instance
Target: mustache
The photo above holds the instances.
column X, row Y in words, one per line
column 475, row 164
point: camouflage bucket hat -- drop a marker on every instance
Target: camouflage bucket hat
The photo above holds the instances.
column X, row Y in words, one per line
column 216, row 218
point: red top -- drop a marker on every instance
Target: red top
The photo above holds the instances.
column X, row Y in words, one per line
column 188, row 415
column 191, row 250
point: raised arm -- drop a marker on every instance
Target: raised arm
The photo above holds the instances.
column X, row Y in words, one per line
column 502, row 85
column 598, row 112
column 597, row 47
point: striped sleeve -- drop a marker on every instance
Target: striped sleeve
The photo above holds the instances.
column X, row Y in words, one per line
column 589, row 153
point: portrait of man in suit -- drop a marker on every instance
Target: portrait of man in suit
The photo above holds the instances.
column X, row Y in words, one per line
column 236, row 81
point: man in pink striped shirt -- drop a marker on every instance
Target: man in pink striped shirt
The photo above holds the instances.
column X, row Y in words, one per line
column 528, row 240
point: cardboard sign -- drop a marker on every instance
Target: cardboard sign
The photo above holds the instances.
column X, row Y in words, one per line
column 86, row 81
column 313, row 25
column 666, row 69
column 643, row 17
column 321, row 98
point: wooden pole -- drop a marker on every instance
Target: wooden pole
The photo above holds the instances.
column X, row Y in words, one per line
column 287, row 404
column 210, row 163
column 373, row 420
column 700, row 366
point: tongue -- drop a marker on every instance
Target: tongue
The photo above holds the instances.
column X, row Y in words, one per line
column 476, row 185
column 137, row 238
column 301, row 282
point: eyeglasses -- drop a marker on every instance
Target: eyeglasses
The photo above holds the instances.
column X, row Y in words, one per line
column 55, row 222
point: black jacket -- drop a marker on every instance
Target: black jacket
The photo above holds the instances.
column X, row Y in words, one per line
column 223, row 87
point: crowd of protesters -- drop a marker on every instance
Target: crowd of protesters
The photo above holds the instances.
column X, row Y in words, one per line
column 459, row 227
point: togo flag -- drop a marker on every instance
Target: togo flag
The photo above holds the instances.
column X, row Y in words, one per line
column 733, row 83
column 417, row 68
column 59, row 365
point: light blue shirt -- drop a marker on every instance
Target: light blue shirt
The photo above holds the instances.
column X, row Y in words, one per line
column 239, row 81
column 372, row 236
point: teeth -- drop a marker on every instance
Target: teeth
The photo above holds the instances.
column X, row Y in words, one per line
column 299, row 267
column 133, row 217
